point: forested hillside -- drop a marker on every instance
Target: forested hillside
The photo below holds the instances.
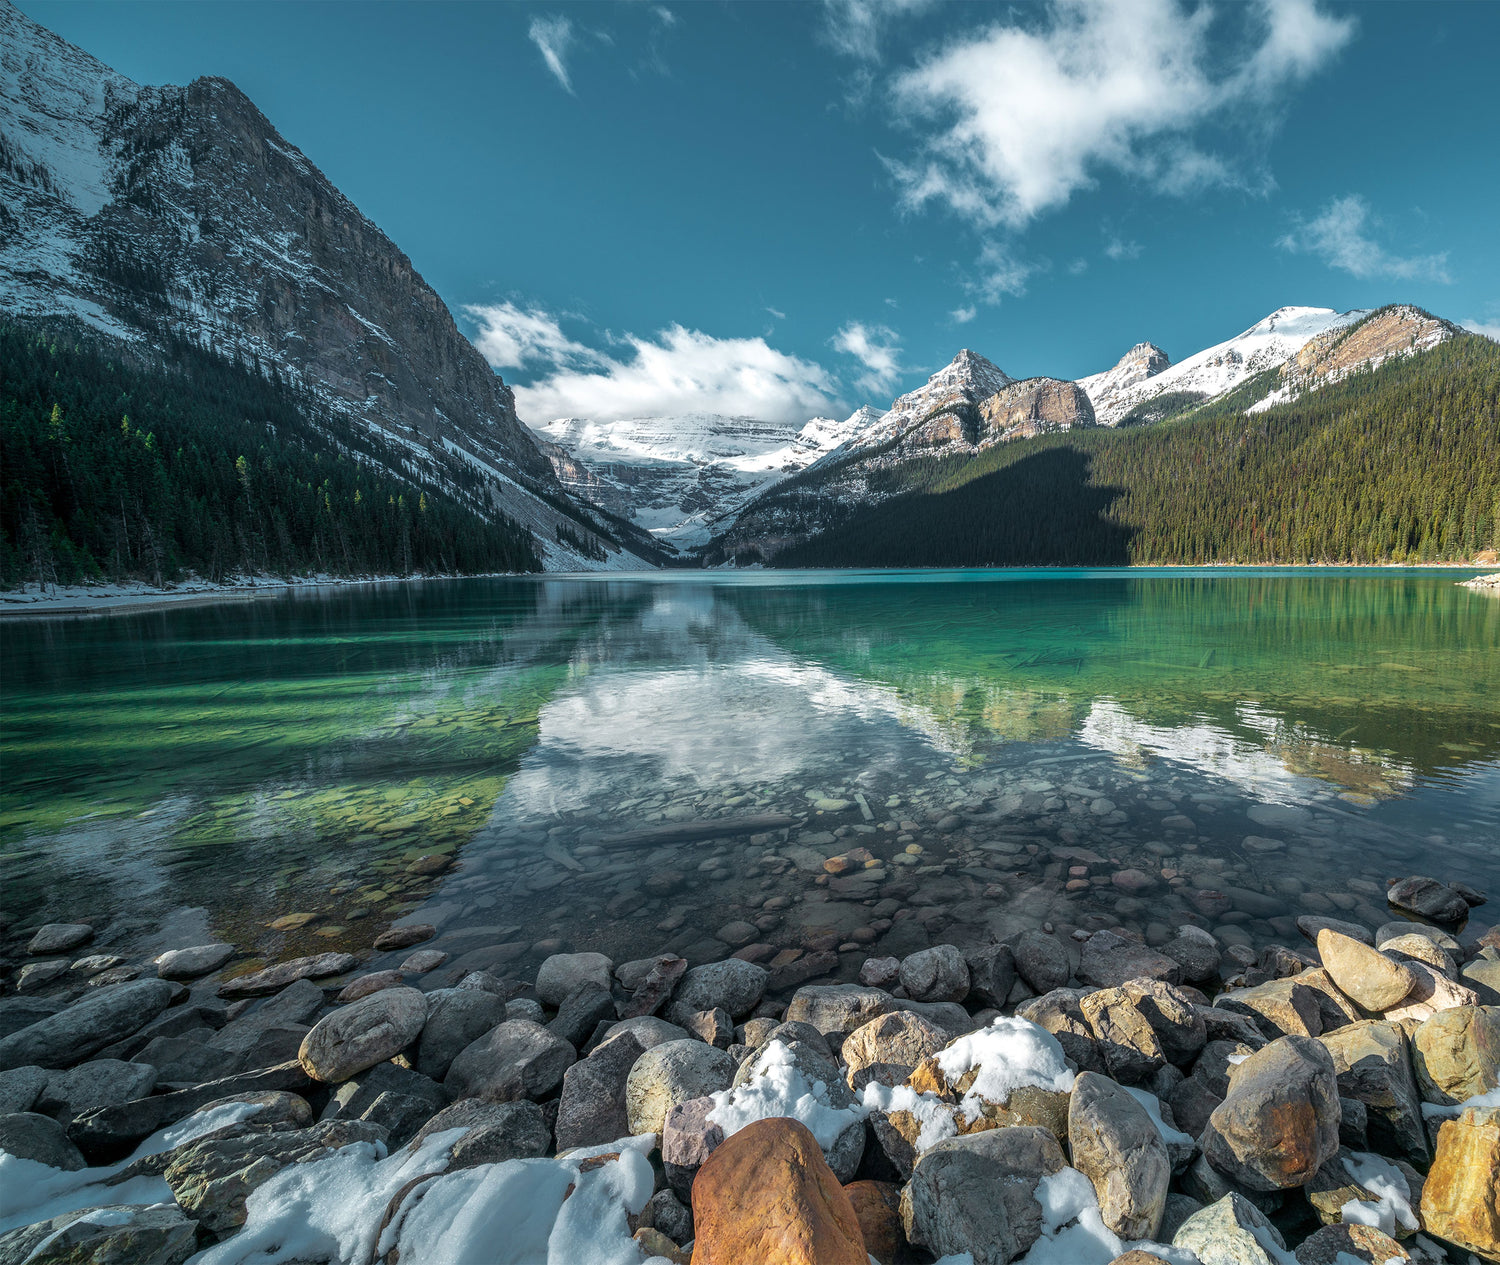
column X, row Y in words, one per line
column 147, row 470
column 1398, row 464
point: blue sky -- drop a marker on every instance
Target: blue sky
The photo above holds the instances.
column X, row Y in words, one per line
column 790, row 209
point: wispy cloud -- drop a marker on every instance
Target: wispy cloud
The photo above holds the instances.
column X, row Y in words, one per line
column 1118, row 249
column 877, row 348
column 854, row 27
column 554, row 35
column 1341, row 237
column 511, row 337
column 664, row 15
column 777, row 313
column 1078, row 267
column 998, row 272
column 1017, row 117
column 1489, row 329
column 963, row 315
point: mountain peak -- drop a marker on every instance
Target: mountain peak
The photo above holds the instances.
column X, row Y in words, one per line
column 1145, row 356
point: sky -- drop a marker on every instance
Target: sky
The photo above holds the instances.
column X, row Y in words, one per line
column 785, row 210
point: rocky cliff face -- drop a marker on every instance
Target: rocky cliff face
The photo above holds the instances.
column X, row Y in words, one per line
column 1036, row 406
column 1399, row 330
column 153, row 214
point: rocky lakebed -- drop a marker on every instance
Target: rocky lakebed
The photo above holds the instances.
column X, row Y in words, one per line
column 1058, row 1096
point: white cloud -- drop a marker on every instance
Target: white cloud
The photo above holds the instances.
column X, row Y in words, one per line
column 1078, row 267
column 1488, row 329
column 664, row 15
column 1340, row 236
column 999, row 273
column 963, row 315
column 553, row 34
column 681, row 371
column 854, row 27
column 1024, row 113
column 777, row 313
column 1117, row 249
column 511, row 337
column 877, row 349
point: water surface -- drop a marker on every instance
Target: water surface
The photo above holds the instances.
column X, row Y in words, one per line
column 1243, row 745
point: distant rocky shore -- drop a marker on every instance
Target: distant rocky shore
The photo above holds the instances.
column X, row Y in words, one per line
column 1488, row 583
column 1331, row 1101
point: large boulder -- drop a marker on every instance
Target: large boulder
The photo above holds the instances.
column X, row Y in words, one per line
column 456, row 1017
column 1461, row 1197
column 192, row 962
column 497, row 1132
column 1115, row 1144
column 890, row 1048
column 1232, row 1231
column 733, row 985
column 59, row 937
column 1041, row 961
column 565, row 973
column 1060, row 1013
column 1108, row 960
column 836, row 1010
column 274, row 978
column 70, row 1036
column 1372, row 1064
column 122, row 1233
column 1372, row 979
column 1433, row 992
column 992, row 974
column 1279, row 1008
column 670, row 1074
column 1131, row 1048
column 515, row 1059
column 936, row 974
column 1343, row 1244
column 767, row 1195
column 30, row 1136
column 97, row 1083
column 592, row 1109
column 977, row 1193
column 1456, row 1054
column 1280, row 1119
column 362, row 1034
column 1427, row 898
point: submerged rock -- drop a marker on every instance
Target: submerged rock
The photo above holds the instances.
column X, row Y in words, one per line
column 190, row 963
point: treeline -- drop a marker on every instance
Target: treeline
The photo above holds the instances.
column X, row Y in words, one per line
column 148, row 470
column 1396, row 464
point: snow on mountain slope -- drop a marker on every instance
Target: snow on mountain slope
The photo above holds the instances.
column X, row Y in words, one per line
column 682, row 478
column 1220, row 368
column 1141, row 362
column 968, row 378
column 160, row 214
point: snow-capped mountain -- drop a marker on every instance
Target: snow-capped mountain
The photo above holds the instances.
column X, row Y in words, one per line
column 967, row 379
column 155, row 214
column 1267, row 344
column 682, row 478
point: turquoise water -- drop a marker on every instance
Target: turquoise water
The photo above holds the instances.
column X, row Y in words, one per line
column 1001, row 744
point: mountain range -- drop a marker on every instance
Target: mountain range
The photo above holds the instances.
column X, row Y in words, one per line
column 319, row 408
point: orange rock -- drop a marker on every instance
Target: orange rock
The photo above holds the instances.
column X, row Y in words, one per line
column 1461, row 1197
column 877, row 1205
column 767, row 1196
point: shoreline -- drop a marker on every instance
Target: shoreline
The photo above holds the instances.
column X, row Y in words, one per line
column 93, row 600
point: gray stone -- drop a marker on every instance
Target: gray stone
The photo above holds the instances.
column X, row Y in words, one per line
column 362, row 1034
column 649, row 1030
column 1456, row 1054
column 1178, row 1209
column 292, row 1007
column 1116, row 1145
column 275, row 978
column 29, row 1136
column 936, row 974
column 592, row 1107
column 1197, row 955
column 1060, row 1014
column 688, row 1138
column 1421, row 949
column 888, row 1049
column 456, row 1017
column 186, row 1060
column 1427, row 898
column 1173, row 1016
column 977, row 1193
column 1131, row 1048
column 1109, row 960
column 212, row 1178
column 713, row 1026
column 515, row 1059
column 1366, row 975
column 524, row 1008
column 103, row 1236
column 400, row 1115
column 667, row 1213
column 1232, row 1232
column 1279, row 1008
column 581, row 1012
column 496, row 1132
column 59, row 937
column 100, row 1083
column 1373, row 1065
column 669, row 1074
column 836, row 1010
column 20, row 1088
column 1280, row 1119
column 815, row 1067
column 353, row 1098
column 84, row 1028
column 1311, row 924
column 1431, row 994
column 201, row 959
column 564, row 973
column 35, row 975
column 1041, row 960
column 733, row 985
column 992, row 974
column 1402, row 927
column 1343, row 1244
column 21, row 1012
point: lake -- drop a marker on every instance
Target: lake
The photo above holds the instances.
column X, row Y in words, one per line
column 506, row 758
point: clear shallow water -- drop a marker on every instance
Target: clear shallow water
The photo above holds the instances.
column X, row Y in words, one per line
column 1288, row 740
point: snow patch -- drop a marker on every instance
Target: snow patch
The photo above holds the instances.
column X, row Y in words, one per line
column 1008, row 1054
column 780, row 1088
